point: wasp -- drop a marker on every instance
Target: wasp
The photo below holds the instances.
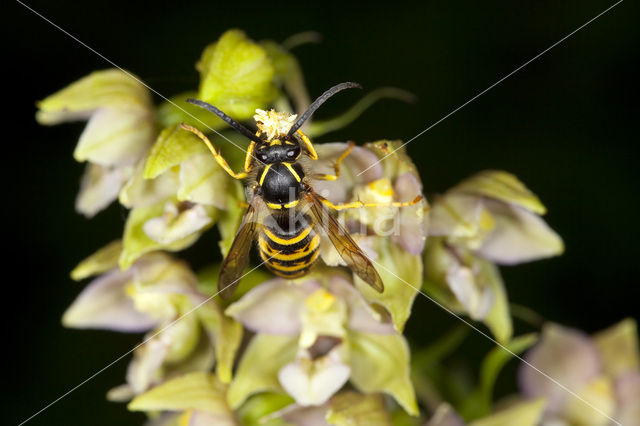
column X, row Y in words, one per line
column 284, row 213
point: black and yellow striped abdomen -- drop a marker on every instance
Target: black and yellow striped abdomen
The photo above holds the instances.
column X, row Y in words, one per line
column 289, row 252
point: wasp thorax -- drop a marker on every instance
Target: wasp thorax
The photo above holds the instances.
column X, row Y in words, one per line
column 274, row 124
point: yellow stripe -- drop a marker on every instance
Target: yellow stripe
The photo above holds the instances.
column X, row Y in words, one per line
column 264, row 173
column 311, row 246
column 295, row 267
column 281, row 206
column 292, row 170
column 284, row 242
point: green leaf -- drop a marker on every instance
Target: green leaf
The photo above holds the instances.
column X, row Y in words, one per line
column 527, row 413
column 258, row 368
column 478, row 404
column 236, row 75
column 501, row 186
column 173, row 146
column 135, row 240
column 401, row 273
column 195, row 391
column 380, row 363
column 352, row 409
column 101, row 261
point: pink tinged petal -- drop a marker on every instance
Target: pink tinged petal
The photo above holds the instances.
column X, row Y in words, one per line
column 477, row 301
column 104, row 304
column 411, row 233
column 200, row 418
column 519, row 236
column 305, row 416
column 445, row 415
column 314, row 382
column 567, row 355
column 627, row 391
column 456, row 216
column 144, row 368
column 274, row 307
column 99, row 187
column 358, row 160
column 175, row 225
column 362, row 316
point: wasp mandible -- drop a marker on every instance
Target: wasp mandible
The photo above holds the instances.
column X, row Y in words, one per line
column 280, row 196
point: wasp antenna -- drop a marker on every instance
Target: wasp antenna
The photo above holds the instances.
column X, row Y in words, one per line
column 316, row 104
column 230, row 121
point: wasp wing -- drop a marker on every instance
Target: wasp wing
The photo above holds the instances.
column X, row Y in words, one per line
column 347, row 248
column 237, row 259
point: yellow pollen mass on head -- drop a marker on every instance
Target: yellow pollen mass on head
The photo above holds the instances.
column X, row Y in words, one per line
column 320, row 301
column 273, row 123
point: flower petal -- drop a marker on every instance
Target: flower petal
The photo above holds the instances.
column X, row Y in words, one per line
column 194, row 391
column 445, row 415
column 519, row 236
column 258, row 369
column 314, row 382
column 108, row 88
column 136, row 242
column 380, row 363
column 116, row 137
column 104, row 304
column 565, row 354
column 141, row 192
column 101, row 261
column 203, row 181
column 501, row 186
column 99, row 187
column 401, row 273
column 236, row 75
column 351, row 408
column 274, row 307
column 627, row 390
column 411, row 233
column 177, row 223
column 173, row 146
column 527, row 413
column 618, row 346
column 597, row 393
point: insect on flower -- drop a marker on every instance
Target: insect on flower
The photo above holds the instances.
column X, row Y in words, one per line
column 280, row 196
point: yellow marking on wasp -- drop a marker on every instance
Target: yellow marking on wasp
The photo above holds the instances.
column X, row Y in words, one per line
column 275, row 142
column 264, row 173
column 247, row 159
column 283, row 206
column 336, row 166
column 360, row 204
column 307, row 143
column 301, row 236
column 264, row 246
column 219, row 158
column 293, row 171
column 276, row 265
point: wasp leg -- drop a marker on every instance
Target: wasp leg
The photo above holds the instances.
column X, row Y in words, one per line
column 307, row 143
column 336, row 166
column 360, row 204
column 243, row 204
column 249, row 156
column 219, row 158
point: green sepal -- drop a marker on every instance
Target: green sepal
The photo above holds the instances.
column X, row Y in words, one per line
column 101, row 261
column 172, row 147
column 351, row 408
column 380, row 363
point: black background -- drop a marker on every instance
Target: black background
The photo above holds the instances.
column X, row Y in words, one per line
column 566, row 124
